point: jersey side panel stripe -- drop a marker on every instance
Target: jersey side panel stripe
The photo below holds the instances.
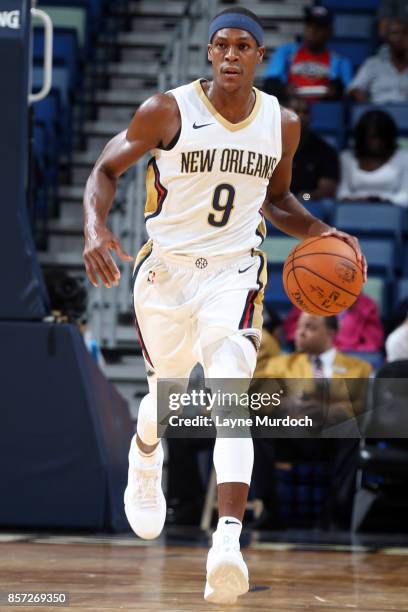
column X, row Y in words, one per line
column 252, row 314
column 261, row 230
column 155, row 192
column 141, row 257
column 257, row 318
column 142, row 344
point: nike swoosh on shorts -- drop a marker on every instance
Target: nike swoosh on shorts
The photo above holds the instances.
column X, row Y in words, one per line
column 245, row 269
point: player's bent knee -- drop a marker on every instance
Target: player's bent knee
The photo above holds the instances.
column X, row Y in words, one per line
column 233, row 356
column 249, row 351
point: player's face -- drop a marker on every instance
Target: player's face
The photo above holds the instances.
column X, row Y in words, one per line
column 234, row 55
column 312, row 335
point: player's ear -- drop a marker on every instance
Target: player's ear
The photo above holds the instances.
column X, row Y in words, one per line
column 209, row 52
column 261, row 53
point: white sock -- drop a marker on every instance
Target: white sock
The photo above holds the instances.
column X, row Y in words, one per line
column 229, row 526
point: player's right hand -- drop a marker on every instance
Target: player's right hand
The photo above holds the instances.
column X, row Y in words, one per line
column 99, row 241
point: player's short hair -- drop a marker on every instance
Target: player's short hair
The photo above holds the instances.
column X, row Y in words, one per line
column 332, row 323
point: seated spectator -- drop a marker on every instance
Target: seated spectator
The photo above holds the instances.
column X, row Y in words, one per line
column 388, row 10
column 315, row 169
column 315, row 336
column 315, row 358
column 376, row 170
column 383, row 78
column 360, row 327
column 396, row 345
column 396, row 317
column 309, row 68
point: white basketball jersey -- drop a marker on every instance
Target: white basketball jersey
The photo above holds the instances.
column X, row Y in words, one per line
column 204, row 195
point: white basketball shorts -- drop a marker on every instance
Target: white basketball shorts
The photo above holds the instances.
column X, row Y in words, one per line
column 184, row 303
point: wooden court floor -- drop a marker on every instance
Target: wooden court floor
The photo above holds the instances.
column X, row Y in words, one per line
column 110, row 573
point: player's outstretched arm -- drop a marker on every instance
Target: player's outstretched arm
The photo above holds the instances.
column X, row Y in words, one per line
column 283, row 209
column 155, row 122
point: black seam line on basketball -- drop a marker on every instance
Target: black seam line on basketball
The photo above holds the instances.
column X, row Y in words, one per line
column 299, row 246
column 285, row 279
column 326, row 253
column 327, row 280
column 302, row 292
column 308, row 298
column 293, row 268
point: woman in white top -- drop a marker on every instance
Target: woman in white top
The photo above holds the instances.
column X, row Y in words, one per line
column 396, row 345
column 376, row 170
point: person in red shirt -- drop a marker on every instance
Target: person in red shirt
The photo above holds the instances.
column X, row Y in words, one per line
column 309, row 69
column 360, row 327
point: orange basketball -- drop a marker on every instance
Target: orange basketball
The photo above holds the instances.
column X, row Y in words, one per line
column 321, row 276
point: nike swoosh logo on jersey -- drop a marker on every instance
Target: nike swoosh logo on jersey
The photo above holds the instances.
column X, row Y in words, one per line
column 245, row 269
column 227, row 522
column 197, row 127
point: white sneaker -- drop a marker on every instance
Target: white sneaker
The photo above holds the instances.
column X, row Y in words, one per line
column 145, row 504
column 227, row 573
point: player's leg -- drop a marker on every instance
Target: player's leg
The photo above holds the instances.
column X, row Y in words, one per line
column 229, row 327
column 166, row 343
column 145, row 504
column 230, row 324
column 227, row 575
column 232, row 357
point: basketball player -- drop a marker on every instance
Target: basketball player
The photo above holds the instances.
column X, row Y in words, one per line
column 221, row 160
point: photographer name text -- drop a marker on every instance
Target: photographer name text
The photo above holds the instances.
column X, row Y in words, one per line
column 234, row 422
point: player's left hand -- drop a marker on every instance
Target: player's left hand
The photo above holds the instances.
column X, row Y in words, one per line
column 354, row 243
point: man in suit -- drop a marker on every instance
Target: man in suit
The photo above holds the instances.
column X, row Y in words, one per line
column 314, row 342
column 318, row 368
